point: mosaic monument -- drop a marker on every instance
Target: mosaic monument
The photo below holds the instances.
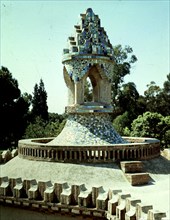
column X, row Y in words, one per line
column 88, row 135
column 89, row 55
column 52, row 187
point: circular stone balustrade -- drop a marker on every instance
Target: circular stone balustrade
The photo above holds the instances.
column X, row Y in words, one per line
column 136, row 149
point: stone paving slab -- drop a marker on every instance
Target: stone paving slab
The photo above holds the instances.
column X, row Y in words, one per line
column 155, row 193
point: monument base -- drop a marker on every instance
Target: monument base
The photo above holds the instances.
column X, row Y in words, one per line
column 88, row 129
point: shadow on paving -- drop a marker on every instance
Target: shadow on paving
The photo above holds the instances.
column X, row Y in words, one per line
column 158, row 165
column 112, row 165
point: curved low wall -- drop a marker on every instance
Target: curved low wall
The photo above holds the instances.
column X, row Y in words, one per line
column 140, row 149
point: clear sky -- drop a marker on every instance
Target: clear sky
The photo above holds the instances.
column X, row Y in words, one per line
column 34, row 33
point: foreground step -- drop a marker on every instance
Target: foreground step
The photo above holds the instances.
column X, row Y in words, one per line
column 131, row 166
column 137, row 178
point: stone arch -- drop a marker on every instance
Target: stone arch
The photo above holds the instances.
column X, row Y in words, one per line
column 101, row 88
column 95, row 78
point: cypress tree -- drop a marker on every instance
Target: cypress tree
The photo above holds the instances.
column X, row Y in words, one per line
column 39, row 101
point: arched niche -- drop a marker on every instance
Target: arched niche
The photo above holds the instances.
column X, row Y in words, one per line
column 95, row 78
column 88, row 89
column 101, row 87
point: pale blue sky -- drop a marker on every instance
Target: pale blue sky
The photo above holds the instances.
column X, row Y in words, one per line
column 33, row 34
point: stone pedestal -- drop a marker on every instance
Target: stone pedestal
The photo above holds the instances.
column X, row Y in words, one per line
column 88, row 129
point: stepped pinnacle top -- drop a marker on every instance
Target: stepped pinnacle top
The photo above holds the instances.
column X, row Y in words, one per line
column 89, row 38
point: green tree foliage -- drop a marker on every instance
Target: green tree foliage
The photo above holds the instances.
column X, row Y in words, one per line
column 127, row 98
column 13, row 110
column 164, row 98
column 141, row 105
column 35, row 129
column 152, row 96
column 121, row 122
column 158, row 99
column 128, row 105
column 152, row 124
column 166, row 131
column 124, row 59
column 41, row 128
column 155, row 99
column 147, row 125
column 166, row 87
column 39, row 101
column 166, row 140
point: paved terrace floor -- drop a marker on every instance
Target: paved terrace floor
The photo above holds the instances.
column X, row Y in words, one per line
column 156, row 193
